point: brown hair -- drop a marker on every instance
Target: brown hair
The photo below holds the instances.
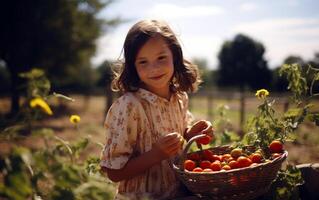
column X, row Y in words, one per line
column 185, row 77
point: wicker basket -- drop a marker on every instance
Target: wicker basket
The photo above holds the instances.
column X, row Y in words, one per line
column 244, row 183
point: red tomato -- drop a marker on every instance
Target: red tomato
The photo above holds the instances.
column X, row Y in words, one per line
column 216, row 166
column 197, row 169
column 205, row 164
column 193, row 156
column 207, row 170
column 243, row 161
column 233, row 164
column 204, row 140
column 189, row 165
column 276, row 146
column 256, row 158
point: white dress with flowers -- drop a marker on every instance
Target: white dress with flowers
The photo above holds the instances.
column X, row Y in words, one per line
column 134, row 122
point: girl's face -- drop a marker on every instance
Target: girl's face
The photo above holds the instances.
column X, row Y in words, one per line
column 154, row 66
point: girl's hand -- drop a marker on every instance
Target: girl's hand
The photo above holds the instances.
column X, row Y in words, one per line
column 200, row 127
column 168, row 146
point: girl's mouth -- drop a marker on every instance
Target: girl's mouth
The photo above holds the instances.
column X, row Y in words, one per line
column 157, row 77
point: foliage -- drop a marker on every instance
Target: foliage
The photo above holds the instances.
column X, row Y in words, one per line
column 222, row 131
column 55, row 171
column 267, row 125
column 241, row 63
column 58, row 35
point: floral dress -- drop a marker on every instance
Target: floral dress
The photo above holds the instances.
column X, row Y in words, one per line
column 133, row 124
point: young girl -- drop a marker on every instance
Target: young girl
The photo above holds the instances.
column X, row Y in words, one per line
column 146, row 125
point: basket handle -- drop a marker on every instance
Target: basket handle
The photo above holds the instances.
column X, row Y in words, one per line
column 188, row 145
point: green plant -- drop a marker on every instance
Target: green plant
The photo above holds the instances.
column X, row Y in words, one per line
column 55, row 171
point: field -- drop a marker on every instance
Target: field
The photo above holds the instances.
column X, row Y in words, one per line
column 92, row 111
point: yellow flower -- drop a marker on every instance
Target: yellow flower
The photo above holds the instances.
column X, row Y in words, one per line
column 262, row 93
column 39, row 102
column 74, row 119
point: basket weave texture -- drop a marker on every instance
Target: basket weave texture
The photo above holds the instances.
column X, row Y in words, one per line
column 244, row 183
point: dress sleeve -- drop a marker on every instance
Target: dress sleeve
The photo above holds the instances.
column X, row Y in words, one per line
column 121, row 126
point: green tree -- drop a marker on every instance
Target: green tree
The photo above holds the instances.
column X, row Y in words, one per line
column 55, row 35
column 242, row 64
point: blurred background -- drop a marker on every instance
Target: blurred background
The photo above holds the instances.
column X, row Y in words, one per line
column 238, row 45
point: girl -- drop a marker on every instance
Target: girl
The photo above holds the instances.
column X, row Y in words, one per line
column 145, row 127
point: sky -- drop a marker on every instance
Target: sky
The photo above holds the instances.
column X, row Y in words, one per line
column 284, row 27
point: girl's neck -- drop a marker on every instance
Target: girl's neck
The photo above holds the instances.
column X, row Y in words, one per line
column 163, row 92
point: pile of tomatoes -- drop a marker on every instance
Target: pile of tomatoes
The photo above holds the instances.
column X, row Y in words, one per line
column 207, row 161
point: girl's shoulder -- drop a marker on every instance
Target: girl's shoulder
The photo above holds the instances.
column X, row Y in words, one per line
column 127, row 99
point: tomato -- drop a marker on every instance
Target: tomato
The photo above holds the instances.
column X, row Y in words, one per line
column 193, row 156
column 205, row 164
column 275, row 155
column 235, row 153
column 197, row 169
column 276, row 146
column 204, row 140
column 243, row 161
column 208, row 155
column 226, row 157
column 207, row 170
column 216, row 157
column 256, row 158
column 216, row 166
column 226, row 167
column 189, row 165
column 233, row 164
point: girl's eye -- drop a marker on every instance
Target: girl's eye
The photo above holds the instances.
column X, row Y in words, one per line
column 161, row 57
column 143, row 62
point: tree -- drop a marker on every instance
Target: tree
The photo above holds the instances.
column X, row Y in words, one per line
column 241, row 63
column 55, row 35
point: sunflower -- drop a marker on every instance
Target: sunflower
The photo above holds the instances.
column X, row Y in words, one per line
column 74, row 119
column 262, row 93
column 39, row 102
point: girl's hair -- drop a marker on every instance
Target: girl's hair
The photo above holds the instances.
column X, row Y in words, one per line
column 185, row 77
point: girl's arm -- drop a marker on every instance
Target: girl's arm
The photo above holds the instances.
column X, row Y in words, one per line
column 166, row 147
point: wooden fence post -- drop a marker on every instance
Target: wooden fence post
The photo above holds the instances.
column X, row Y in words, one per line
column 242, row 111
column 210, row 105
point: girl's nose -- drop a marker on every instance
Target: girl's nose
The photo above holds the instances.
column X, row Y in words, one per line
column 155, row 65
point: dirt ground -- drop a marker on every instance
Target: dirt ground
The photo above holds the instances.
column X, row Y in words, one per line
column 92, row 113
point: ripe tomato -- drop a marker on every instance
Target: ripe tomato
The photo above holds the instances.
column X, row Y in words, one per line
column 197, row 169
column 207, row 170
column 226, row 157
column 235, row 153
column 193, row 156
column 217, row 157
column 205, row 164
column 216, row 166
column 256, row 158
column 208, row 155
column 276, row 146
column 204, row 140
column 275, row 155
column 243, row 161
column 233, row 164
column 189, row 165
column 226, row 167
